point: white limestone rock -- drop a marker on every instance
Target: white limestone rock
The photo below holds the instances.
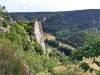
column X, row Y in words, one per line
column 38, row 33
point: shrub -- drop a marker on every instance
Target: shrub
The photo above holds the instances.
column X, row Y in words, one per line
column 4, row 24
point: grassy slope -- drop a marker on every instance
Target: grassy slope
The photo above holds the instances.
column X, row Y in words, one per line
column 69, row 68
column 89, row 61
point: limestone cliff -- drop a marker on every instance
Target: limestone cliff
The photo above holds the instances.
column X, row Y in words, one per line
column 38, row 33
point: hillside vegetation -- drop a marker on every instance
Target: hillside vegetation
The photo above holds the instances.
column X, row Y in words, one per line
column 68, row 26
column 20, row 53
column 75, row 38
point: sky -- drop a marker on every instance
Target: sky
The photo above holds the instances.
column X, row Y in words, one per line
column 49, row 5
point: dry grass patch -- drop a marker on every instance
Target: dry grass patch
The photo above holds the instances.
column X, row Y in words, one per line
column 48, row 36
column 72, row 68
column 60, row 68
column 66, row 45
column 90, row 60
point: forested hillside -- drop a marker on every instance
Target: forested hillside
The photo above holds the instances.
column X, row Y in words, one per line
column 67, row 26
column 21, row 52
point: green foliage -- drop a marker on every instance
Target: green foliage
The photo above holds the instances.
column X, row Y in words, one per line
column 89, row 50
column 28, row 26
column 7, row 17
column 5, row 24
column 85, row 66
column 65, row 50
column 38, row 48
column 19, row 36
column 2, row 8
column 52, row 43
column 74, row 39
column 98, row 63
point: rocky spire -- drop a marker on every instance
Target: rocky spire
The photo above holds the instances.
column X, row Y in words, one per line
column 38, row 33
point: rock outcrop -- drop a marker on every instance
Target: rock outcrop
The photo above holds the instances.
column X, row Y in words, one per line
column 3, row 29
column 43, row 19
column 38, row 33
column 1, row 18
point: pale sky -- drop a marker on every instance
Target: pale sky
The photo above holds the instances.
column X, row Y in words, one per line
column 49, row 5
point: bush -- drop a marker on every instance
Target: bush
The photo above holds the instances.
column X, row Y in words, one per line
column 66, row 51
column 52, row 43
column 4, row 24
column 38, row 49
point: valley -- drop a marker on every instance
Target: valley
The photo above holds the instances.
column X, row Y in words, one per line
column 50, row 43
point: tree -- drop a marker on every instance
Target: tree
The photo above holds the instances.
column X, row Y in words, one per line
column 90, row 49
column 2, row 8
column 5, row 24
column 38, row 48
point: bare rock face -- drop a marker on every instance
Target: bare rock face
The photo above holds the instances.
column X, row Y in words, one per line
column 38, row 33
